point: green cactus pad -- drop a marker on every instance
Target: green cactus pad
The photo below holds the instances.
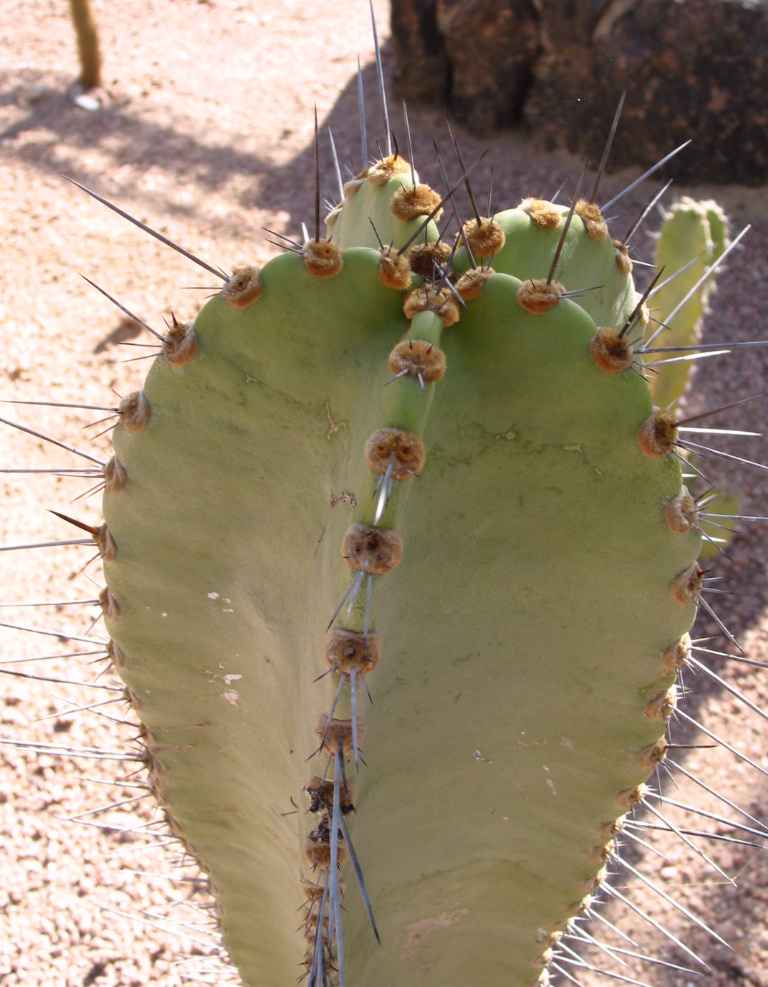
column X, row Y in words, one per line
column 586, row 262
column 522, row 634
column 368, row 202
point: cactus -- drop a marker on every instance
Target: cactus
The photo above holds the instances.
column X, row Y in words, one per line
column 494, row 542
column 693, row 235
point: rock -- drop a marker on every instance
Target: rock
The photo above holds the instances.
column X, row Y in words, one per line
column 695, row 69
column 421, row 72
column 491, row 47
column 691, row 68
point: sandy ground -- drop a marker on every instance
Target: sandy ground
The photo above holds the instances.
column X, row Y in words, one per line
column 205, row 134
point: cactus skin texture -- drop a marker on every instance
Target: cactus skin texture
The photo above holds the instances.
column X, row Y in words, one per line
column 529, row 637
column 690, row 229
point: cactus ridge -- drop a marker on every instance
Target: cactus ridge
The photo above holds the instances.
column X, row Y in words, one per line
column 494, row 541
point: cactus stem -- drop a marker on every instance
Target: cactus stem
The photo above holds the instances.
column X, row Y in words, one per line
column 646, row 174
column 148, row 229
column 638, row 222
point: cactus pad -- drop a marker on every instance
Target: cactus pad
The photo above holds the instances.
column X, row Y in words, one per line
column 443, row 493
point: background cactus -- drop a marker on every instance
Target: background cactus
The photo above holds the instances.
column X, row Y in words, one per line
column 495, row 306
column 694, row 233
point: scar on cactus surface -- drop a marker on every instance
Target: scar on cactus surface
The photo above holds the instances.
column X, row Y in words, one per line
column 515, row 582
